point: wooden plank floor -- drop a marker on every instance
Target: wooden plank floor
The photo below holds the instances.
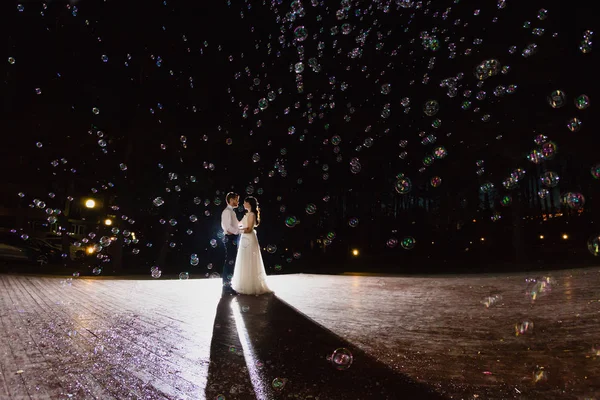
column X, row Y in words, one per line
column 438, row 330
column 94, row 338
column 103, row 338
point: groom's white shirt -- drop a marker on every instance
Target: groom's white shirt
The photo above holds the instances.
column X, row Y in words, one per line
column 229, row 221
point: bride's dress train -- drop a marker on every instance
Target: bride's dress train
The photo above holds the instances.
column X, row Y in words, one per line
column 249, row 276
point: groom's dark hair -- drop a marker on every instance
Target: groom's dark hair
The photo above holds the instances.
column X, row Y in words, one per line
column 231, row 195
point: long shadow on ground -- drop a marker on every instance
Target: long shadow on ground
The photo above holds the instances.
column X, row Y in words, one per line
column 263, row 348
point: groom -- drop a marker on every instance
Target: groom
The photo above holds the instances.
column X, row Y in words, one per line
column 229, row 223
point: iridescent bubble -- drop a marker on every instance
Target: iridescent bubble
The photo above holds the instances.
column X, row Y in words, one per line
column 582, row 102
column 158, row 201
column 386, row 88
column 543, row 193
column 263, row 104
column 542, row 14
column 403, row 185
column 96, row 111
column 550, row 179
column 346, row 28
column 595, row 171
column 97, row 271
column 408, row 243
column 291, row 221
column 271, row 248
column 574, row 124
column 523, row 328
column 529, row 50
column 311, row 208
column 278, row 384
column 517, row 174
column 557, row 99
column 342, row 359
column 490, row 301
column 574, row 200
column 540, row 139
column 436, row 181
column 11, row 60
column 353, row 222
column 535, row 156
column 392, row 242
column 538, row 287
column 593, row 245
column 440, row 152
column 487, row 69
column 431, row 108
column 486, row 187
column 300, row 33
column 183, row 276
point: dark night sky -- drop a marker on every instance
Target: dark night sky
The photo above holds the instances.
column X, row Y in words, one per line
column 208, row 44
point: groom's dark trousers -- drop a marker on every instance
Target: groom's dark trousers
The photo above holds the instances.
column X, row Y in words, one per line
column 231, row 242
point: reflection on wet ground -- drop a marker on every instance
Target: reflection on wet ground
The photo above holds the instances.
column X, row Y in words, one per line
column 466, row 337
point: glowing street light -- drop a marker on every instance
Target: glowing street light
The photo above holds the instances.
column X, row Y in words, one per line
column 108, row 222
column 565, row 236
column 90, row 203
column 355, row 252
column 541, row 236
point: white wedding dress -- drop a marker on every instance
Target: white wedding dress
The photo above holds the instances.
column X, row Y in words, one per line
column 249, row 275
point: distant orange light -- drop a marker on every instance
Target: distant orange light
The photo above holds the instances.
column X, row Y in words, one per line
column 90, row 203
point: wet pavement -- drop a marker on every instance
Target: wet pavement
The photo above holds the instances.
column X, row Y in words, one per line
column 466, row 337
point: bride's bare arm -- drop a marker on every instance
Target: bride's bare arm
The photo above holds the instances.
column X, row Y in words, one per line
column 251, row 220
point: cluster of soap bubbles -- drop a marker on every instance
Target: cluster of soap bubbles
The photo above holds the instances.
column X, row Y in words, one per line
column 300, row 80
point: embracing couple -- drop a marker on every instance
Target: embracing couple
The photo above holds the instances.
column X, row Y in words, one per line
column 244, row 270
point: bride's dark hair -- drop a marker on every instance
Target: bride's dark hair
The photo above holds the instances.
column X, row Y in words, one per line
column 254, row 208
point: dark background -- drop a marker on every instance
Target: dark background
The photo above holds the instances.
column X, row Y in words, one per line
column 197, row 92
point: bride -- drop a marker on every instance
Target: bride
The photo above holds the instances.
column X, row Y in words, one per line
column 249, row 276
